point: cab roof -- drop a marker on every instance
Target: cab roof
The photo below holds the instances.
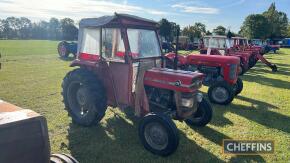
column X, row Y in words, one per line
column 215, row 36
column 118, row 20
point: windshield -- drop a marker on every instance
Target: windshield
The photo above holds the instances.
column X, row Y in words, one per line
column 218, row 43
column 143, row 43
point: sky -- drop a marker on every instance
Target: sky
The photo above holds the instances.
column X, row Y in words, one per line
column 229, row 13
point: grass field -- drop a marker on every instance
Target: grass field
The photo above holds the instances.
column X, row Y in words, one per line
column 31, row 77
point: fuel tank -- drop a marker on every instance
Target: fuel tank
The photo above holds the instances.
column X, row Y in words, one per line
column 176, row 80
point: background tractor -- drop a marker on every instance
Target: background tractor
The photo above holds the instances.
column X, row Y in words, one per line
column 221, row 74
column 241, row 45
column 65, row 48
column 121, row 65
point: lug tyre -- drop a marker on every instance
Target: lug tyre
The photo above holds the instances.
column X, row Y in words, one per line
column 158, row 134
column 84, row 97
column 238, row 87
column 62, row 158
column 202, row 116
column 221, row 93
column 62, row 49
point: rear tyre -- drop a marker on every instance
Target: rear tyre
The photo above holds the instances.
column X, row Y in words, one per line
column 84, row 97
column 158, row 134
column 238, row 87
column 221, row 93
column 62, row 158
column 62, row 49
column 202, row 116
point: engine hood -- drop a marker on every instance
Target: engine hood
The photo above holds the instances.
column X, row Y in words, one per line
column 177, row 80
column 213, row 58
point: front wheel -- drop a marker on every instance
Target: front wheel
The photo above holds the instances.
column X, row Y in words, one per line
column 221, row 93
column 202, row 116
column 238, row 87
column 158, row 134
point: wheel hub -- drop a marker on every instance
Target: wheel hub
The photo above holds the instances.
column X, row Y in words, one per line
column 81, row 96
column 156, row 136
column 220, row 94
column 62, row 50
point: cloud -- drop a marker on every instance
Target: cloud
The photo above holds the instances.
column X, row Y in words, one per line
column 77, row 9
column 235, row 3
column 195, row 9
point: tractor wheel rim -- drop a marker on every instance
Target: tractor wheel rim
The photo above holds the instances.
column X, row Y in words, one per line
column 77, row 99
column 156, row 136
column 62, row 50
column 220, row 94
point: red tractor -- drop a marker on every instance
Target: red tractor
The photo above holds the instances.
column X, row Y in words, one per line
column 241, row 45
column 219, row 45
column 121, row 65
column 221, row 74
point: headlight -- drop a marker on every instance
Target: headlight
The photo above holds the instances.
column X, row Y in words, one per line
column 187, row 102
column 196, row 83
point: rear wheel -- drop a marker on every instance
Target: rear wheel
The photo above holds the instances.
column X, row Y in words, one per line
column 238, row 87
column 84, row 97
column 62, row 49
column 202, row 116
column 221, row 93
column 158, row 134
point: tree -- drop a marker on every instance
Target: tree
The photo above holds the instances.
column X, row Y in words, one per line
column 54, row 29
column 208, row 33
column 278, row 22
column 255, row 26
column 288, row 33
column 219, row 30
column 12, row 26
column 24, row 28
column 165, row 28
column 1, row 28
column 195, row 31
column 69, row 30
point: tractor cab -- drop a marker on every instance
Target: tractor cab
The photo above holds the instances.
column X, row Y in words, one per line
column 215, row 45
column 121, row 65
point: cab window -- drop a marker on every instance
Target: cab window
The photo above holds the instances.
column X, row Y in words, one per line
column 112, row 44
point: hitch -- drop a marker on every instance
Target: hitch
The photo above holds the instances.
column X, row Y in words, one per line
column 269, row 64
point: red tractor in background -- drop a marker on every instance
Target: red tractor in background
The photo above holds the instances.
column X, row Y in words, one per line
column 221, row 74
column 241, row 44
column 219, row 45
column 121, row 65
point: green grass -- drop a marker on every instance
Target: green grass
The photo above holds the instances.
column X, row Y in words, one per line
column 31, row 77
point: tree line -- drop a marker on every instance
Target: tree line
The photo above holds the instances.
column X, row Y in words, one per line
column 270, row 24
column 24, row 28
column 168, row 30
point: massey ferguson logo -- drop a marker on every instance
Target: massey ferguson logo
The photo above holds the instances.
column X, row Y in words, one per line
column 178, row 83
